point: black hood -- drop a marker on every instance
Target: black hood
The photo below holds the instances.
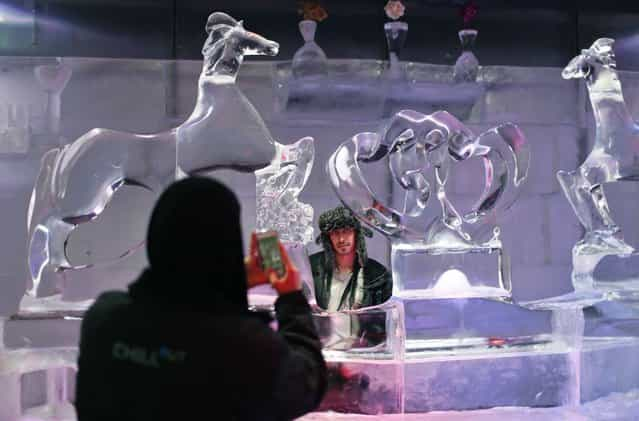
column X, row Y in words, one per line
column 194, row 246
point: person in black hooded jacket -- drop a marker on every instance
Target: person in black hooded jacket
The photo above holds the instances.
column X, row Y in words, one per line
column 181, row 343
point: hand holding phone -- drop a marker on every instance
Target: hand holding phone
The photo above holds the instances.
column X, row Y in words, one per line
column 291, row 280
column 269, row 262
column 255, row 275
column 268, row 245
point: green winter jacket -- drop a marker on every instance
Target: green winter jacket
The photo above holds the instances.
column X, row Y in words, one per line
column 378, row 282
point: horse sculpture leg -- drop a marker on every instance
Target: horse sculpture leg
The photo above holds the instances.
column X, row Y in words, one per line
column 47, row 256
column 63, row 198
column 576, row 189
column 47, row 234
column 591, row 207
column 602, row 238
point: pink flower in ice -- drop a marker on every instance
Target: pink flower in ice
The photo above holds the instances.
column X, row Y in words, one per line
column 394, row 9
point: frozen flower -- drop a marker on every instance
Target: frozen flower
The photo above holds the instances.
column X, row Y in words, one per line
column 312, row 10
column 394, row 9
column 468, row 12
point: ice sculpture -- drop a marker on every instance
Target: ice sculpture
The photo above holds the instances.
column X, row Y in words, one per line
column 614, row 157
column 396, row 32
column 310, row 60
column 53, row 79
column 442, row 260
column 467, row 66
column 278, row 188
column 77, row 182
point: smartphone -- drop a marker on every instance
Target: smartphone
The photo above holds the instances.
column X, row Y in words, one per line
column 269, row 249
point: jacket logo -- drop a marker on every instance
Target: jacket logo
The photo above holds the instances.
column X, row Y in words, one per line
column 146, row 356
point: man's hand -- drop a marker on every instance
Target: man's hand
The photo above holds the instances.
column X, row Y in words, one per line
column 290, row 281
column 254, row 274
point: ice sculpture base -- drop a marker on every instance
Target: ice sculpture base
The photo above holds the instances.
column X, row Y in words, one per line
column 586, row 298
column 540, row 375
column 466, row 354
column 427, row 273
column 616, row 407
column 51, row 307
column 470, row 354
column 614, row 273
column 65, row 411
column 472, row 324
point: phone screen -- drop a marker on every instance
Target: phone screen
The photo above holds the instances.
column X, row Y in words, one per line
column 268, row 246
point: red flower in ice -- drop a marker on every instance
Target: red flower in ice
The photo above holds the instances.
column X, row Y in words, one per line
column 468, row 11
column 312, row 10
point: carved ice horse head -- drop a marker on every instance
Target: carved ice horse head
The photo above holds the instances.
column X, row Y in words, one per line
column 617, row 133
column 596, row 65
column 227, row 44
column 225, row 130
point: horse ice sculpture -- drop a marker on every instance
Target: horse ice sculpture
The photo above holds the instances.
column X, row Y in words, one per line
column 77, row 182
column 278, row 188
column 420, row 147
column 614, row 157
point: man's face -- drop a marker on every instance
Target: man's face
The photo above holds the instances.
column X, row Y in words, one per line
column 343, row 240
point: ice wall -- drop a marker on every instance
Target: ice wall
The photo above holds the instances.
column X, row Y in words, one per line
column 149, row 96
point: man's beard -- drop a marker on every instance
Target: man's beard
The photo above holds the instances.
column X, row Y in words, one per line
column 345, row 249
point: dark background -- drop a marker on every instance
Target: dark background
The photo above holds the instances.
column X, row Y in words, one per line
column 526, row 33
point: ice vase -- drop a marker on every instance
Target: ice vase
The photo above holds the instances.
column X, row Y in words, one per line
column 467, row 65
column 310, row 59
column 395, row 38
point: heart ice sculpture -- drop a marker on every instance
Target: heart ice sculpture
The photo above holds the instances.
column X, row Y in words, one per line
column 442, row 260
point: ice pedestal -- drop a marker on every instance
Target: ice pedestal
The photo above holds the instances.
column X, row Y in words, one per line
column 364, row 350
column 424, row 272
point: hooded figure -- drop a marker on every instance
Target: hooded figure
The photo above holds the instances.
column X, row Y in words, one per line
column 181, row 344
